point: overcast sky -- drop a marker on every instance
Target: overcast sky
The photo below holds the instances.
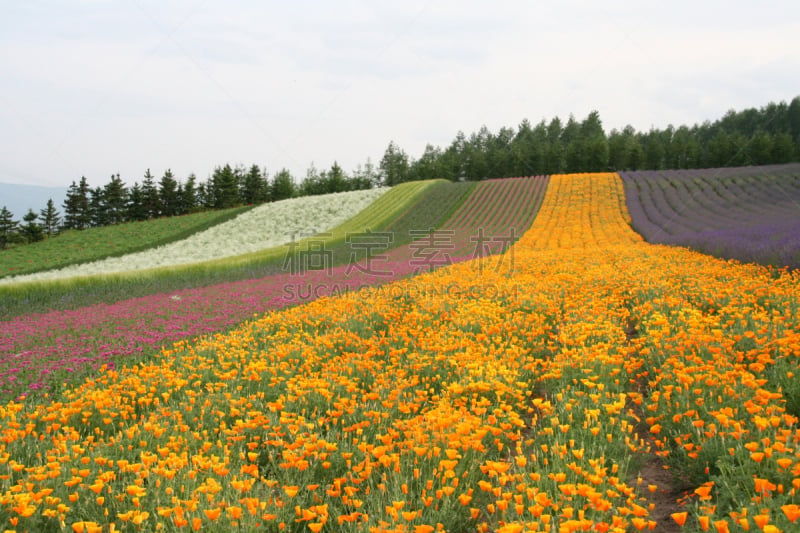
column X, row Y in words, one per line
column 97, row 87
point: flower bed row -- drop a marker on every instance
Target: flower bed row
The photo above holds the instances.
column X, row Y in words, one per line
column 750, row 214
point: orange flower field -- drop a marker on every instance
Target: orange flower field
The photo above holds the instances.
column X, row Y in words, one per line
column 518, row 392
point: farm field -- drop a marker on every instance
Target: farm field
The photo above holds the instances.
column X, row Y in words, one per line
column 489, row 220
column 74, row 247
column 39, row 349
column 527, row 391
column 266, row 226
column 751, row 214
column 21, row 298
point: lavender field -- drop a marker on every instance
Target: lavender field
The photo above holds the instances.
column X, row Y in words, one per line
column 750, row 214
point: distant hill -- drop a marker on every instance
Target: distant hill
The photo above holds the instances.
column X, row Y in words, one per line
column 19, row 198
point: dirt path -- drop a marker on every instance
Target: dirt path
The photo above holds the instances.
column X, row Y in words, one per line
column 664, row 499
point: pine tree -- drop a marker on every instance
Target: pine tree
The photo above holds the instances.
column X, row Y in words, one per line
column 168, row 195
column 394, row 165
column 84, row 216
column 336, row 180
column 50, row 218
column 594, row 144
column 189, row 195
column 31, row 230
column 77, row 211
column 223, row 190
column 366, row 177
column 255, row 187
column 136, row 208
column 282, row 186
column 7, row 227
column 97, row 206
column 115, row 198
column 150, row 200
column 71, row 207
column 312, row 184
column 554, row 154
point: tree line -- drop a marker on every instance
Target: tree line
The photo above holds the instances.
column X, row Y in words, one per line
column 769, row 135
column 115, row 203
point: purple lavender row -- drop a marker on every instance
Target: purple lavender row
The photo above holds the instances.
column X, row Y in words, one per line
column 750, row 214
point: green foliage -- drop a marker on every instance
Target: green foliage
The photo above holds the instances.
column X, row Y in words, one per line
column 50, row 218
column 335, row 180
column 282, row 186
column 770, row 135
column 168, row 195
column 394, row 165
column 31, row 230
column 7, row 227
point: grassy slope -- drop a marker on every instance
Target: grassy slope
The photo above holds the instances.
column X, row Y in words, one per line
column 73, row 247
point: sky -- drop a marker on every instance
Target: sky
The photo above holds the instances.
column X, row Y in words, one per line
column 94, row 88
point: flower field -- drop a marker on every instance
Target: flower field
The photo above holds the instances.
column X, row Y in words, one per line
column 521, row 398
column 749, row 214
column 23, row 298
column 40, row 349
column 266, row 226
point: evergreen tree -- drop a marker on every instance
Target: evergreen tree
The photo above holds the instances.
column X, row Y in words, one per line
column 684, row 149
column 617, row 151
column 313, row 183
column 554, row 154
column 782, row 150
column 635, row 152
column 365, row 177
column 169, row 201
column 255, row 188
column 136, row 208
column 476, row 149
column 31, row 230
column 150, row 199
column 8, row 227
column 282, row 186
column 527, row 149
column 50, row 218
column 573, row 146
column 759, row 149
column 335, row 179
column 223, row 190
column 204, row 198
column 71, row 207
column 85, row 209
column 654, row 150
column 450, row 165
column 189, row 194
column 77, row 211
column 115, row 199
column 595, row 144
column 427, row 166
column 394, row 165
column 97, row 207
column 499, row 159
column 793, row 119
